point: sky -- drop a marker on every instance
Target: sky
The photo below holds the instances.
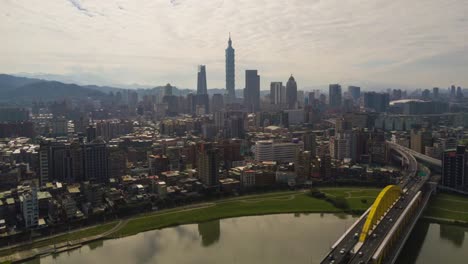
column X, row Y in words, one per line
column 372, row 43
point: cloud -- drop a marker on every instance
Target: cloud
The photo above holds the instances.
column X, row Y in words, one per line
column 160, row 41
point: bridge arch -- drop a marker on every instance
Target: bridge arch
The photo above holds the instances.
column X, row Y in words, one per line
column 386, row 198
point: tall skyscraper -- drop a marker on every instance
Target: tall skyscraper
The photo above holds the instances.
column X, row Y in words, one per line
column 202, row 98
column 334, row 93
column 291, row 92
column 201, row 80
column 355, row 92
column 454, row 170
column 230, row 71
column 276, row 94
column 252, row 91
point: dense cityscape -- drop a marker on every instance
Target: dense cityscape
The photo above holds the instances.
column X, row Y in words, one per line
column 76, row 161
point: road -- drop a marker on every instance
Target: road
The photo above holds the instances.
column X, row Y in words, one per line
column 341, row 252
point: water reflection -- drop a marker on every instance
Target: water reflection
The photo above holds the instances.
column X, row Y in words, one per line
column 454, row 234
column 413, row 245
column 273, row 239
column 209, row 232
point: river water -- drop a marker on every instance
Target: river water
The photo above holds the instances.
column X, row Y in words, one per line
column 273, row 239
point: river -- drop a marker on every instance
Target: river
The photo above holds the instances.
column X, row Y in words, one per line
column 273, row 239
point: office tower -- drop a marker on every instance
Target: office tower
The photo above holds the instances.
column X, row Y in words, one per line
column 300, row 99
column 202, row 98
column 355, row 92
column 201, row 80
column 454, row 171
column 208, row 162
column 117, row 162
column 452, row 91
column 310, row 143
column 96, row 161
column 459, row 92
column 168, row 90
column 276, row 95
column 311, row 98
column 435, row 92
column 217, row 103
column 252, row 91
column 419, row 139
column 334, row 93
column 90, row 133
column 230, row 72
column 426, row 94
column 291, row 92
column 378, row 102
column 132, row 99
column 235, row 127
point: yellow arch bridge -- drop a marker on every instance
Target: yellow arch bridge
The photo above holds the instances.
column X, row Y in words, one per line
column 384, row 201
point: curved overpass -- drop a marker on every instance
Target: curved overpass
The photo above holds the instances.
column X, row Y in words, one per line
column 350, row 249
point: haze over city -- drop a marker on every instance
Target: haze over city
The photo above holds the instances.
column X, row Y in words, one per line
column 375, row 44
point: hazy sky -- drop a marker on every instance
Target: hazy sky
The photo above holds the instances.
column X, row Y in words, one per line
column 419, row 43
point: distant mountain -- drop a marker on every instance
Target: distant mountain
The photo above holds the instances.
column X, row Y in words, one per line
column 11, row 82
column 20, row 89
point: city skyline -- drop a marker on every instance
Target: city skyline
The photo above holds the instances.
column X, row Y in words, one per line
column 160, row 42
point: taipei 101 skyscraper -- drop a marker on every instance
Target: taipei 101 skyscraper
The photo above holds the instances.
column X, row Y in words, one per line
column 230, row 72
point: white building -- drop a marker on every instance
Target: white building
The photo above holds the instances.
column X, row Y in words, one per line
column 267, row 150
column 340, row 146
column 30, row 207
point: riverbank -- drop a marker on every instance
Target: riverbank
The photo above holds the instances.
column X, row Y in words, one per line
column 270, row 203
column 285, row 202
column 443, row 208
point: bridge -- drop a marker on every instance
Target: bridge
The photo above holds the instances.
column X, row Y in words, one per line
column 381, row 232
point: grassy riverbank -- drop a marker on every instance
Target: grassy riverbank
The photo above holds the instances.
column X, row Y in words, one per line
column 448, row 208
column 443, row 208
column 285, row 202
column 87, row 232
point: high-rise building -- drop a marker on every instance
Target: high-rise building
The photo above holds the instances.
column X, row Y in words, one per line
column 30, row 206
column 435, row 92
column 96, row 161
column 73, row 162
column 454, row 170
column 334, row 93
column 355, row 92
column 340, row 146
column 379, row 102
column 252, row 91
column 202, row 98
column 230, row 72
column 420, row 139
column 459, row 92
column 310, row 143
column 201, row 80
column 168, row 90
column 208, row 164
column 452, row 91
column 291, row 92
column 276, row 93
column 217, row 103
